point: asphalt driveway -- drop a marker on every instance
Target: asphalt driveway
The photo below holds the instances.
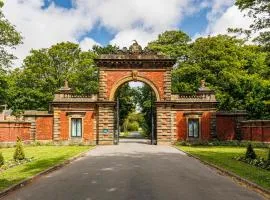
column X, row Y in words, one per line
column 134, row 171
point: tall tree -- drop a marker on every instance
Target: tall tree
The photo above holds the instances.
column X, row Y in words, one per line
column 9, row 38
column 126, row 102
column 109, row 49
column 171, row 43
column 237, row 72
column 259, row 10
column 44, row 72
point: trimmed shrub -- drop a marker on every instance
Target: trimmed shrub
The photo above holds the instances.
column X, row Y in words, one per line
column 250, row 153
column 19, row 153
column 2, row 161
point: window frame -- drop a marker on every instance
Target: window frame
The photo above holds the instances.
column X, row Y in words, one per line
column 193, row 116
column 197, row 120
column 71, row 127
column 75, row 115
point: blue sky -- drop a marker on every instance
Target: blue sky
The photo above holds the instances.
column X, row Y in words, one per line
column 43, row 23
column 191, row 24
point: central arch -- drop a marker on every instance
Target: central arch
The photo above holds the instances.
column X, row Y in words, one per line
column 130, row 78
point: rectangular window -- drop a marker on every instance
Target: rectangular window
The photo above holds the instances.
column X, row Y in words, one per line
column 76, row 127
column 193, row 128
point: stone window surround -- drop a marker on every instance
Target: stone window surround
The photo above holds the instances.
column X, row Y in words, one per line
column 193, row 115
column 75, row 115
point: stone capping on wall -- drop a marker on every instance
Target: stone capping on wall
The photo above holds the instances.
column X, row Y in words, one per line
column 36, row 113
column 73, row 97
column 201, row 96
column 236, row 113
column 14, row 122
column 256, row 123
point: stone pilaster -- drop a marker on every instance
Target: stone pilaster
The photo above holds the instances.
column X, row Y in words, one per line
column 105, row 126
column 165, row 131
column 167, row 85
column 213, row 129
column 56, row 125
column 102, row 85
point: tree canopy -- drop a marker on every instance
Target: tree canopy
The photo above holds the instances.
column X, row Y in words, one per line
column 259, row 10
column 237, row 72
column 9, row 38
column 44, row 72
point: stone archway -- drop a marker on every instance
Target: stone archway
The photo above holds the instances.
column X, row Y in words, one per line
column 134, row 64
column 176, row 113
column 129, row 79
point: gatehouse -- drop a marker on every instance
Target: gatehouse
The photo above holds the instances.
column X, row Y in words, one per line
column 94, row 118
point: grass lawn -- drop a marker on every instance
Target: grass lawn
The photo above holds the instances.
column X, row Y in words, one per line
column 222, row 156
column 43, row 158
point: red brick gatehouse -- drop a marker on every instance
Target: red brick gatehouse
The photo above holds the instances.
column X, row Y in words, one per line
column 91, row 118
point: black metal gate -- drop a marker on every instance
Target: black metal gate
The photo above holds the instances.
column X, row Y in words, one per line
column 153, row 135
column 153, row 122
column 117, row 123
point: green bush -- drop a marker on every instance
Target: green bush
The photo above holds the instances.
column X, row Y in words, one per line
column 133, row 126
column 250, row 153
column 2, row 161
column 19, row 153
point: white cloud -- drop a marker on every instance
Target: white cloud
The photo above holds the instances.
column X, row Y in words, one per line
column 128, row 20
column 124, row 38
column 232, row 18
column 223, row 15
column 42, row 28
column 87, row 43
column 142, row 20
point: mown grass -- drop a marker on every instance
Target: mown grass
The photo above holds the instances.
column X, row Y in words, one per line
column 43, row 158
column 223, row 157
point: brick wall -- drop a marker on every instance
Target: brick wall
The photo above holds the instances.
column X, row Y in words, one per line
column 156, row 77
column 9, row 131
column 226, row 127
column 181, row 126
column 44, row 128
column 256, row 130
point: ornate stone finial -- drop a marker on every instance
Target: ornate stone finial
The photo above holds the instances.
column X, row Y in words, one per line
column 203, row 87
column 65, row 88
column 202, row 83
column 135, row 48
column 66, row 84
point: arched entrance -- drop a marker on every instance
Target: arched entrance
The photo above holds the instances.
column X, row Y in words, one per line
column 135, row 112
column 134, row 64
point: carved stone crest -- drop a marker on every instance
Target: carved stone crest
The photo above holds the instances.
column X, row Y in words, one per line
column 135, row 75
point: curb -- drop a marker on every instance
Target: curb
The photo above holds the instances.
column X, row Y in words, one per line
column 235, row 177
column 46, row 171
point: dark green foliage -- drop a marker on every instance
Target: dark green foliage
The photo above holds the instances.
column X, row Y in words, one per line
column 9, row 39
column 145, row 98
column 268, row 157
column 126, row 103
column 250, row 153
column 109, row 49
column 19, row 152
column 172, row 43
column 2, row 161
column 237, row 72
column 44, row 72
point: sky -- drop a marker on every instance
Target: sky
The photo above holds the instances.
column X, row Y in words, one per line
column 43, row 23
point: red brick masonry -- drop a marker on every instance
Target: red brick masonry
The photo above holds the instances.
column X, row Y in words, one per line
column 9, row 131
